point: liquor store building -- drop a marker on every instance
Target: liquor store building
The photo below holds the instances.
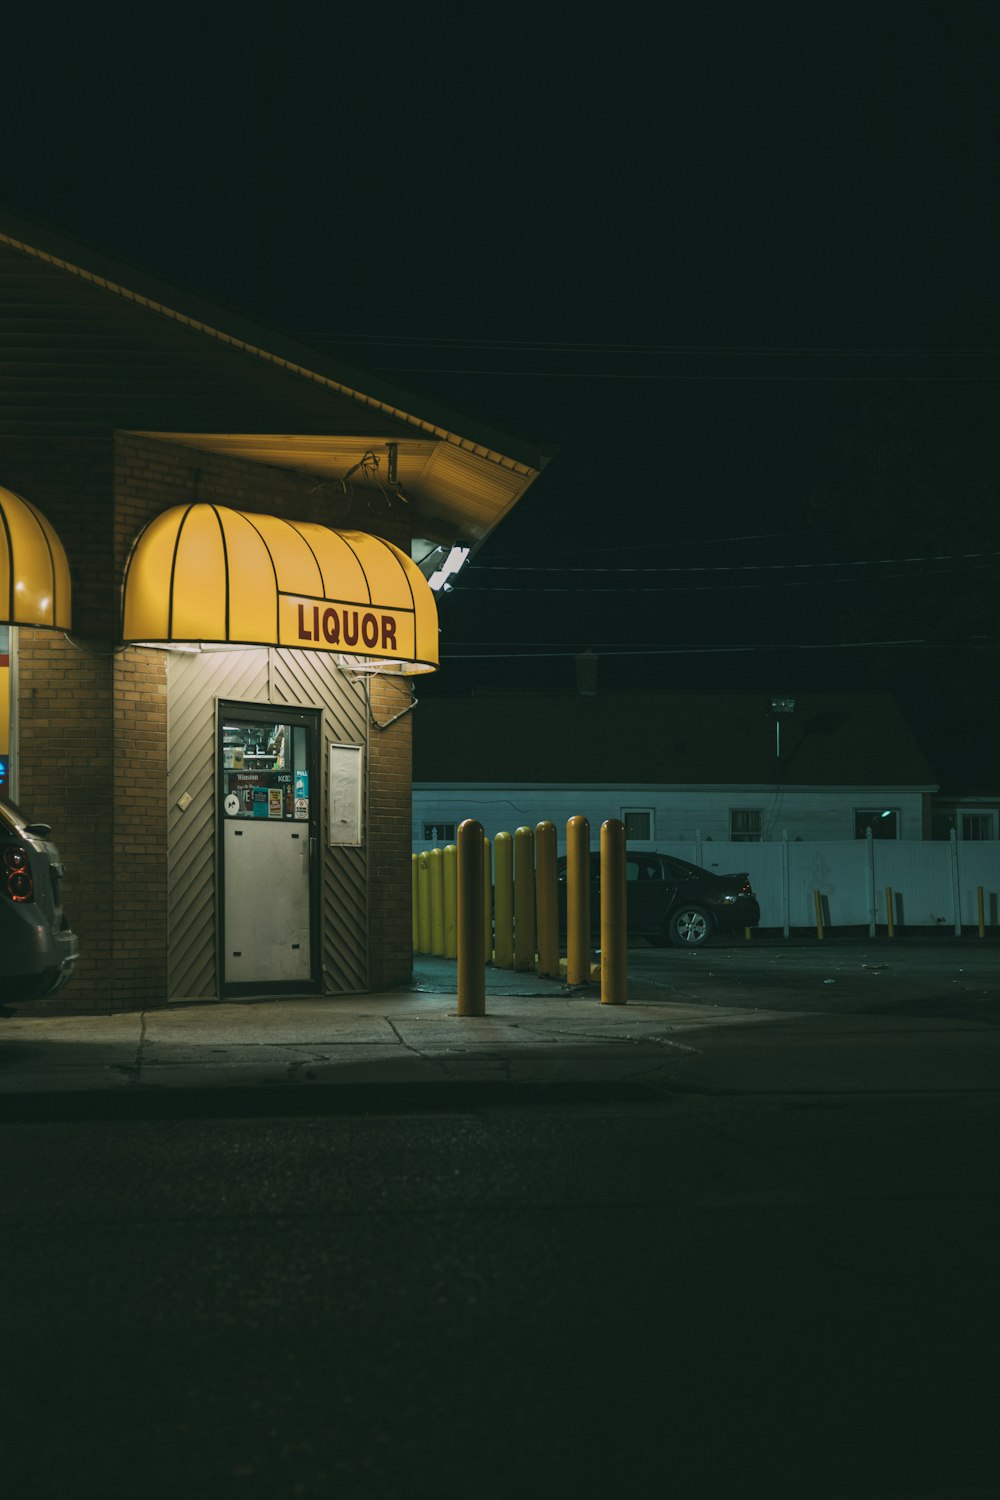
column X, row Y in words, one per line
column 215, row 547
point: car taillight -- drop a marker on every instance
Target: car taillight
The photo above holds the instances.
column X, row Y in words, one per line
column 746, row 889
column 17, row 873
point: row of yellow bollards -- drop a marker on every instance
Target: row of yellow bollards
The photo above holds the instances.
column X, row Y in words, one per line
column 478, row 904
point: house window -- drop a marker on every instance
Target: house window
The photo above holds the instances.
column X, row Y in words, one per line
column 744, row 825
column 979, row 825
column 638, row 823
column 883, row 822
column 439, row 833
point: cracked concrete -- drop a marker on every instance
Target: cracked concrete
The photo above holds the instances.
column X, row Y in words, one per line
column 529, row 1036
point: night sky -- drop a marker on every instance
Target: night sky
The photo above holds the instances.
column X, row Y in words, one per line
column 737, row 262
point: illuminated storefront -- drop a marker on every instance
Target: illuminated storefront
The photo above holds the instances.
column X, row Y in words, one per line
column 217, row 720
column 207, row 584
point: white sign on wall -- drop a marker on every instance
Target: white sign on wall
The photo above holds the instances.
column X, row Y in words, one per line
column 346, row 766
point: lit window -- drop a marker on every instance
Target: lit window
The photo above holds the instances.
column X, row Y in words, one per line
column 744, row 825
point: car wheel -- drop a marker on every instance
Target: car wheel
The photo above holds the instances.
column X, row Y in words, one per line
column 690, row 927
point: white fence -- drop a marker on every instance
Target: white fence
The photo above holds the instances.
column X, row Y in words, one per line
column 929, row 884
column 932, row 884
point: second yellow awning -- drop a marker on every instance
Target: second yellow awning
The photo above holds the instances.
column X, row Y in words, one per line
column 34, row 574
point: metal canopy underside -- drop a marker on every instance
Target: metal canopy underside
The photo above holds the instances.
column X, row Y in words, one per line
column 456, row 491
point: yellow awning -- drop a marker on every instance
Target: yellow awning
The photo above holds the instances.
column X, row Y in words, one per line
column 205, row 573
column 34, row 574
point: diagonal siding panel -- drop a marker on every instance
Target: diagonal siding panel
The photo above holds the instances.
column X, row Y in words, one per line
column 194, row 682
column 295, row 678
column 308, row 679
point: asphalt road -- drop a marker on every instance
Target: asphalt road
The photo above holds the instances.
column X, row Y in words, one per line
column 702, row 1296
column 919, row 977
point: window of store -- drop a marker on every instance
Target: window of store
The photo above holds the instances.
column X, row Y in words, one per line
column 745, row 825
column 882, row 821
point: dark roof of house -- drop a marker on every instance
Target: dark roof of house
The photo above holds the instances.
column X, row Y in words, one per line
column 666, row 739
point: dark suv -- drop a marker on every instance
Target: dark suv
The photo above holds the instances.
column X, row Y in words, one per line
column 38, row 950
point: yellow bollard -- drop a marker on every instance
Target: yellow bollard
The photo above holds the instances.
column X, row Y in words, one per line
column 578, row 900
column 614, row 942
column 424, row 901
column 470, row 930
column 414, row 904
column 524, row 900
column 437, row 902
column 487, row 901
column 982, row 910
column 503, row 901
column 890, row 923
column 450, row 901
column 547, row 899
column 818, row 904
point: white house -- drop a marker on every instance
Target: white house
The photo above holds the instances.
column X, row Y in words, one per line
column 675, row 767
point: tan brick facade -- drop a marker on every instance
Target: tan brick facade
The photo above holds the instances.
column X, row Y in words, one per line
column 390, row 778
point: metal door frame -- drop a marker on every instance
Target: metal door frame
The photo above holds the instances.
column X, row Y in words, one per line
column 270, row 714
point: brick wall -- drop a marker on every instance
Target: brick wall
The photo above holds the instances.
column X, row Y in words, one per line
column 65, row 748
column 390, row 942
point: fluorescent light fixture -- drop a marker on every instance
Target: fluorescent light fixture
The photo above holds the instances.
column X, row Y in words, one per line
column 195, row 648
column 181, row 647
column 456, row 557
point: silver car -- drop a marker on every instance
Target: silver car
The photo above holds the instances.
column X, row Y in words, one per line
column 38, row 949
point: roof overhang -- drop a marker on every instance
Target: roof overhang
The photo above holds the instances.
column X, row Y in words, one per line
column 35, row 586
column 455, row 491
column 205, row 574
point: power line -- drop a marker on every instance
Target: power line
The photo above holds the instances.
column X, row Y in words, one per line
column 743, row 650
column 729, row 567
column 678, row 545
column 791, row 351
column 466, row 590
column 694, row 379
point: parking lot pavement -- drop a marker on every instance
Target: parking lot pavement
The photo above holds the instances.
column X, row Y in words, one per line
column 947, row 978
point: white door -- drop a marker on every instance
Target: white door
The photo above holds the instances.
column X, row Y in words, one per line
column 267, row 903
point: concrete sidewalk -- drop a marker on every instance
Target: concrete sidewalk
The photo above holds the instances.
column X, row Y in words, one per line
column 539, row 1039
column 535, row 1031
